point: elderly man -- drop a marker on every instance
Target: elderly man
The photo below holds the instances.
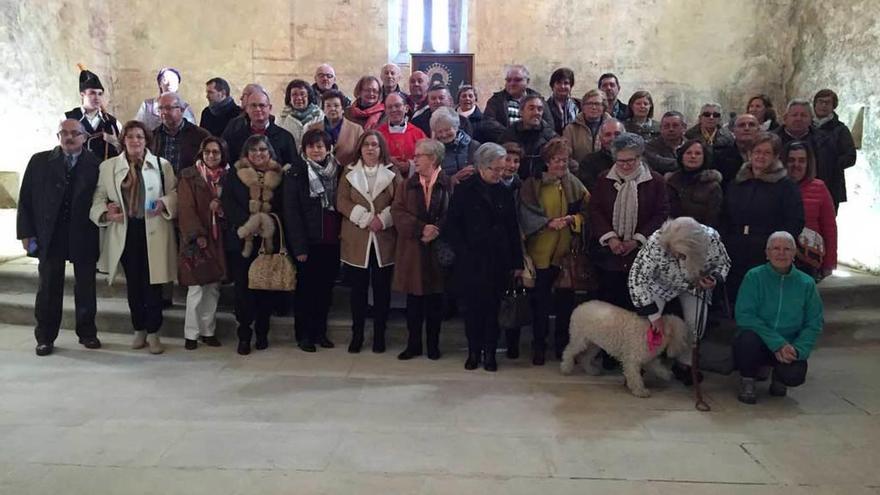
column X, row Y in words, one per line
column 418, row 93
column 102, row 129
column 325, row 80
column 400, row 135
column 797, row 125
column 779, row 317
column 344, row 133
column 609, row 84
column 390, row 77
column 709, row 130
column 595, row 163
column 729, row 160
column 221, row 106
column 260, row 121
column 53, row 225
column 503, row 108
column 660, row 151
column 176, row 139
column 240, row 122
column 531, row 132
column 439, row 96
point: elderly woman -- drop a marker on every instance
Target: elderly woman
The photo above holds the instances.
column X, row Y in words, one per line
column 481, row 226
column 467, row 105
column 820, row 223
column 641, row 107
column 683, row 259
column 563, row 108
column 368, row 237
column 313, row 224
column 694, row 189
column 760, row 201
column 779, row 317
column 419, row 212
column 709, row 129
column 201, row 261
column 552, row 211
column 136, row 200
column 344, row 133
column 367, row 110
column 459, row 151
column 761, row 107
column 583, row 133
column 168, row 80
column 301, row 109
column 254, row 186
column 629, row 203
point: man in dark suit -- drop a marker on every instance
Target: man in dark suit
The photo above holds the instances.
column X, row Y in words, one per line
column 54, row 226
column 259, row 120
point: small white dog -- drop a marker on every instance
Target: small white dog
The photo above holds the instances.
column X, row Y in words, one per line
column 597, row 325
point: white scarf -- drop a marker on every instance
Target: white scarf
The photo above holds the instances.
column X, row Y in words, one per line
column 626, row 205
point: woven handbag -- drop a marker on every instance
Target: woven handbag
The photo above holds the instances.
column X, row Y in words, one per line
column 272, row 271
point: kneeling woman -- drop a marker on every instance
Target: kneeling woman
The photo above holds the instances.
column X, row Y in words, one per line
column 136, row 198
column 419, row 212
column 366, row 191
column 552, row 210
column 683, row 259
column 250, row 193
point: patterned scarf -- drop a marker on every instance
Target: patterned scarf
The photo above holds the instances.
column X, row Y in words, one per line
column 371, row 114
column 323, row 180
column 310, row 113
column 626, row 206
column 131, row 183
column 212, row 176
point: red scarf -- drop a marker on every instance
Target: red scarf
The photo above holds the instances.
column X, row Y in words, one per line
column 212, row 176
column 372, row 114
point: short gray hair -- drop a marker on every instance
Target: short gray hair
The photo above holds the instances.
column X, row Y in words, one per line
column 627, row 141
column 79, row 125
column 488, row 153
column 174, row 95
column 710, row 104
column 432, row 147
column 444, row 116
column 801, row 102
column 523, row 68
column 781, row 234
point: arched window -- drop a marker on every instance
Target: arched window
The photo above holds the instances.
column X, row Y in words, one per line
column 426, row 26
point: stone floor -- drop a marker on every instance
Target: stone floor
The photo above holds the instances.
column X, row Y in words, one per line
column 118, row 421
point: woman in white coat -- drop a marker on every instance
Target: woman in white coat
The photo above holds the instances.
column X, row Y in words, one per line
column 136, row 199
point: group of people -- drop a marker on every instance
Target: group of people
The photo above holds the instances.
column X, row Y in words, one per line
column 429, row 196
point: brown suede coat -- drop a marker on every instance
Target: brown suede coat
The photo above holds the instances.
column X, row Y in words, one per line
column 194, row 220
column 358, row 206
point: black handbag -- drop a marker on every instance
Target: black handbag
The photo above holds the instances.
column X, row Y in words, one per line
column 515, row 310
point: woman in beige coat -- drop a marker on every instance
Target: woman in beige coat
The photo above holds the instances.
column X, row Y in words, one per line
column 136, row 199
column 368, row 237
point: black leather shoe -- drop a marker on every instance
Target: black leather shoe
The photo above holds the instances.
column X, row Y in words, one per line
column 261, row 343
column 489, row 364
column 538, row 358
column 434, row 354
column 379, row 342
column 90, row 342
column 408, row 354
column 472, row 362
column 244, row 348
column 211, row 341
column 512, row 352
column 326, row 343
column 190, row 345
column 308, row 347
column 44, row 349
column 778, row 389
column 357, row 341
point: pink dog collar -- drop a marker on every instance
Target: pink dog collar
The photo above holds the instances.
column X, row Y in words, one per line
column 655, row 338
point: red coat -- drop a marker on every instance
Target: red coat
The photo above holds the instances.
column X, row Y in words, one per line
column 402, row 146
column 819, row 215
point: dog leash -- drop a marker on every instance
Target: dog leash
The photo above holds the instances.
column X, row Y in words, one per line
column 699, row 330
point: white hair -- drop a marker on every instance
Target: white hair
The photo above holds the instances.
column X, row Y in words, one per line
column 488, row 153
column 523, row 68
column 686, row 236
column 174, row 95
column 781, row 234
column 444, row 116
column 799, row 102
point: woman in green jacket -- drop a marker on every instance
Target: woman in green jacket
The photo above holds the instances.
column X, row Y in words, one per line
column 779, row 316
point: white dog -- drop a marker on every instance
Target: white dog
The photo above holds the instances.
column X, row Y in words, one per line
column 597, row 325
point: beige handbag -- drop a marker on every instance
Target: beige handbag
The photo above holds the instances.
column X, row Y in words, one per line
column 272, row 271
column 528, row 273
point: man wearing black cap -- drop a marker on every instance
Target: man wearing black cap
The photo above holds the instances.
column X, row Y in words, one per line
column 102, row 129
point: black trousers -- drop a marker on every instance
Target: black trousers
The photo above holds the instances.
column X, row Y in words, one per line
column 613, row 288
column 545, row 300
column 750, row 354
column 427, row 309
column 50, row 294
column 361, row 279
column 314, row 291
column 253, row 308
column 481, row 321
column 144, row 298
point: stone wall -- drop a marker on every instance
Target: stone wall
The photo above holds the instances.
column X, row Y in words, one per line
column 837, row 48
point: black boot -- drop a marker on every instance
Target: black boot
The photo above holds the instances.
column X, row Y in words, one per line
column 378, row 340
column 473, row 361
column 489, row 363
column 357, row 340
column 512, row 337
column 433, row 342
column 538, row 358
